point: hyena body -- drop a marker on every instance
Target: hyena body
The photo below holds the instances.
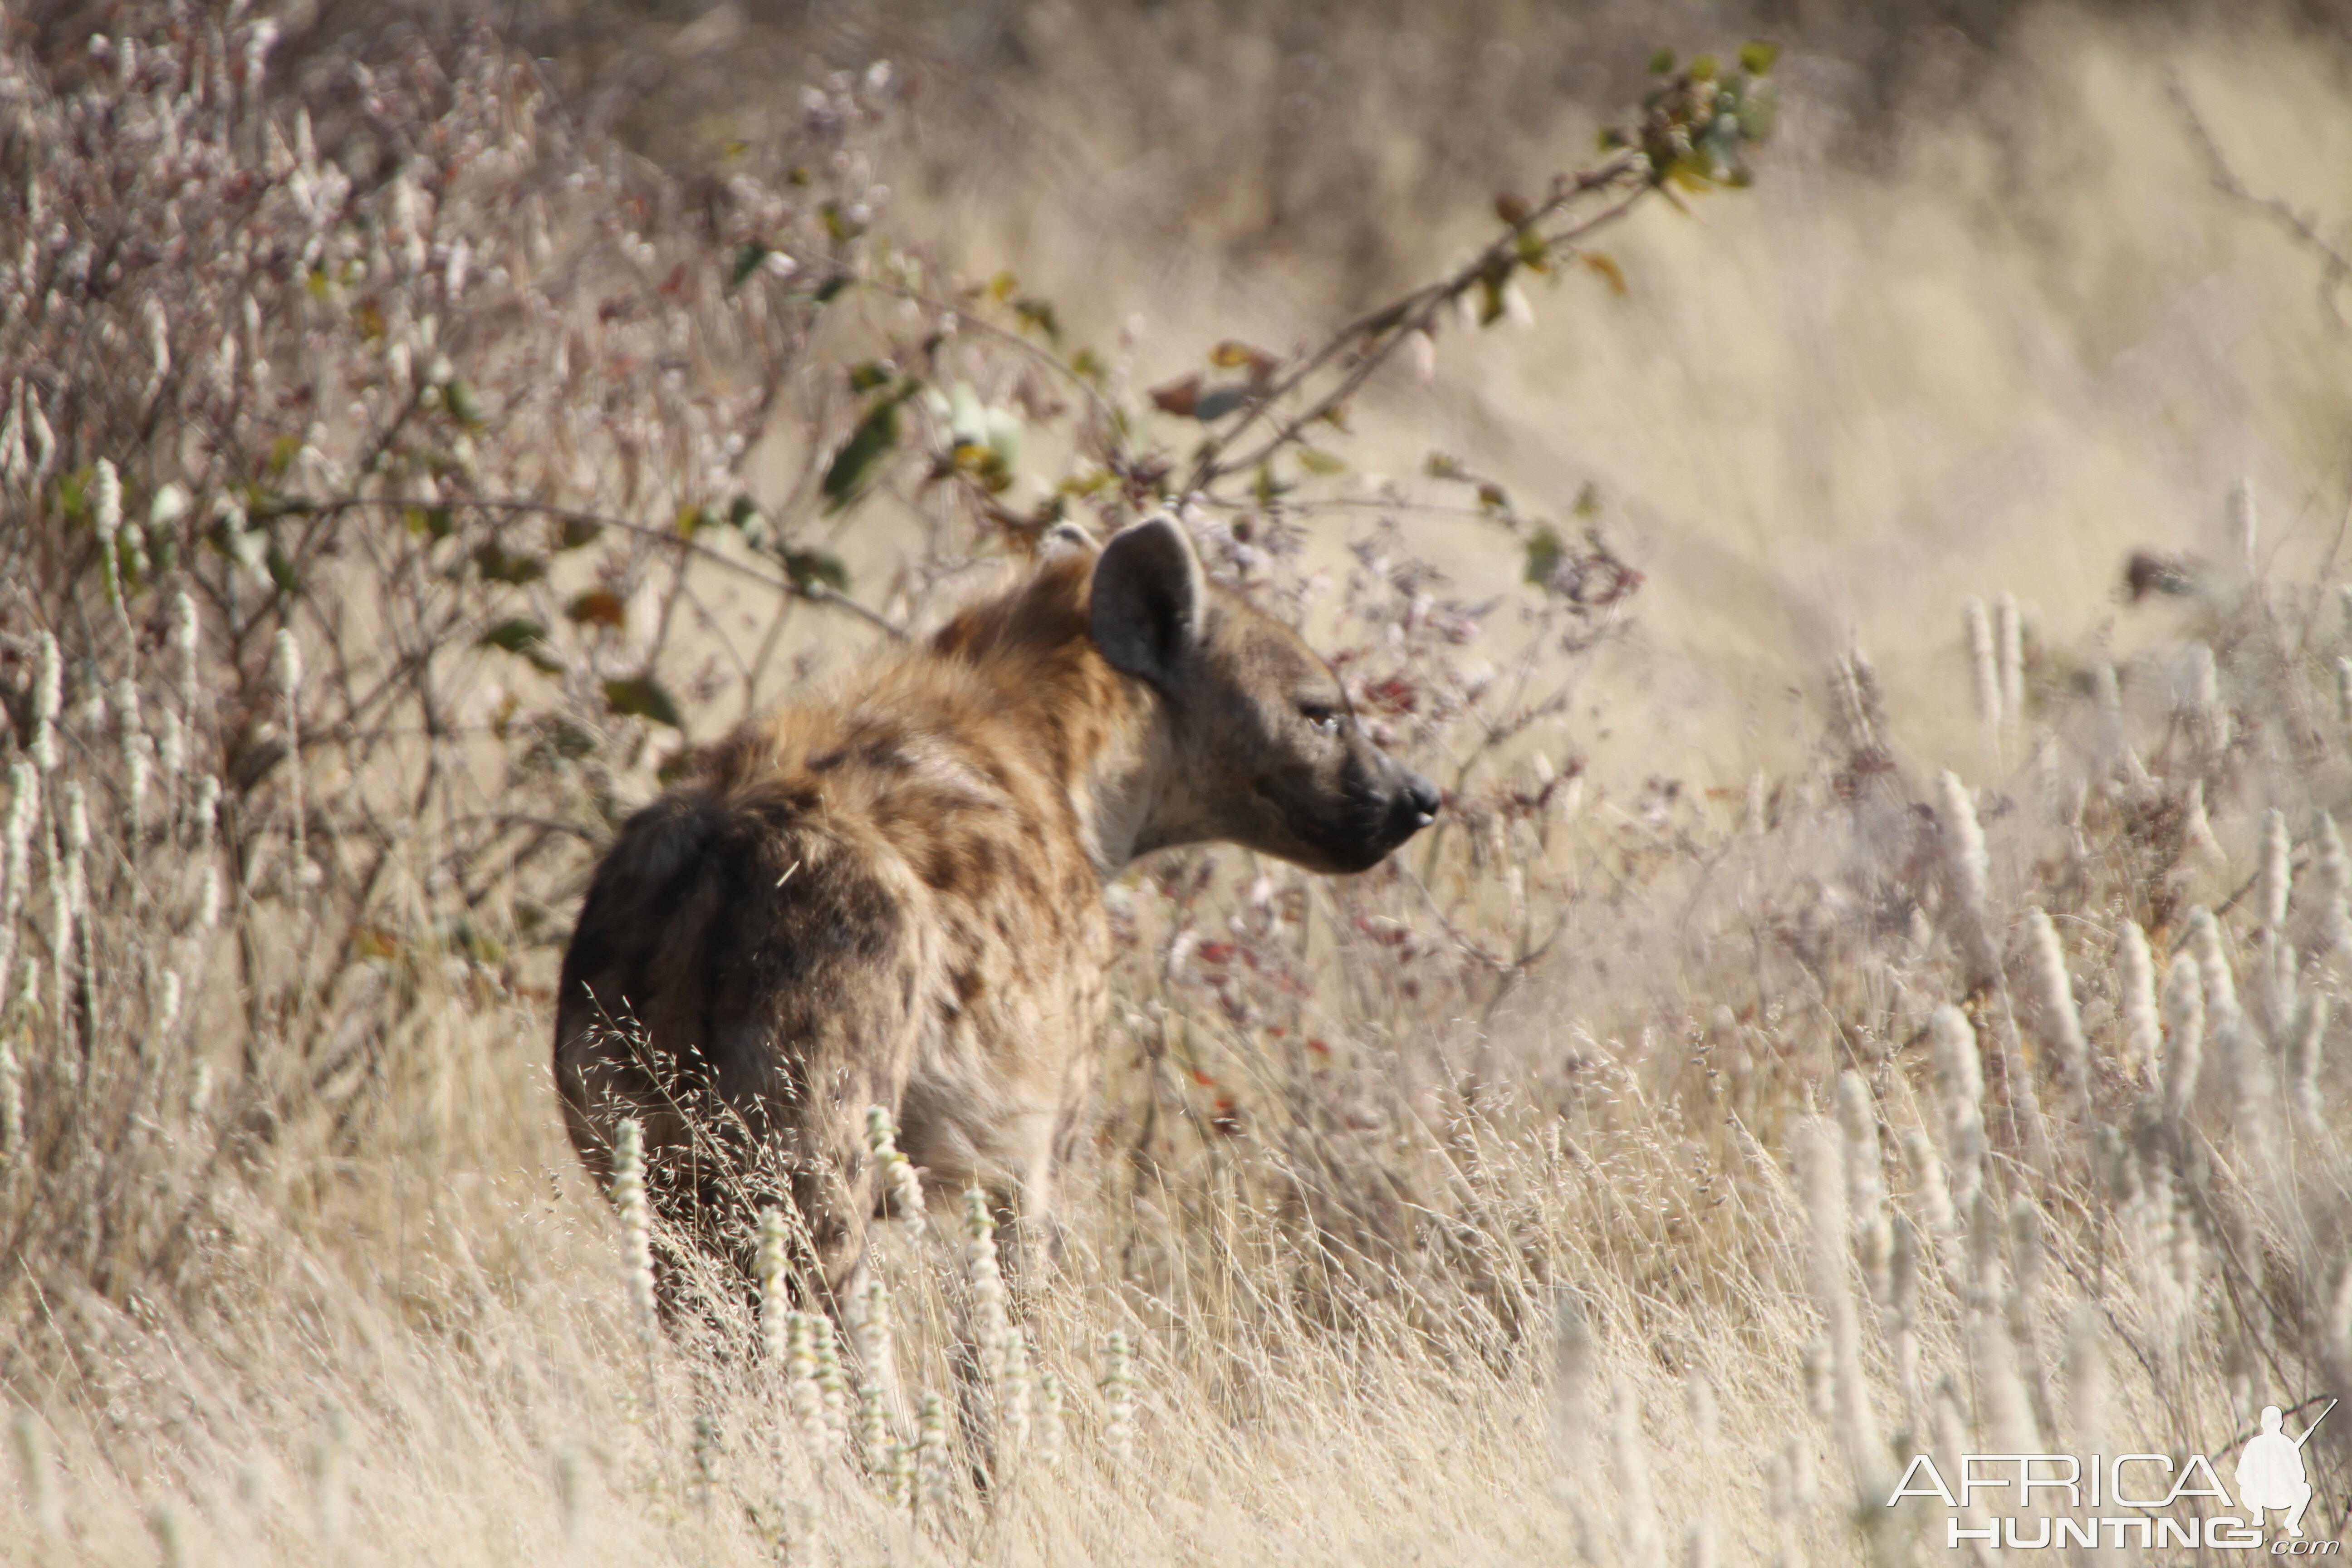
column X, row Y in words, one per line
column 895, row 897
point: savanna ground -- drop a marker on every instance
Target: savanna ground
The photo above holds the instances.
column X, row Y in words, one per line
column 1878, row 987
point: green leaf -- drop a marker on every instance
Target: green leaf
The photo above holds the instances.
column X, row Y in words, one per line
column 825, row 290
column 851, row 469
column 808, row 568
column 1757, row 57
column 1218, row 402
column 1039, row 313
column 1543, row 556
column 1661, row 62
column 642, row 697
column 874, row 373
column 1703, row 69
column 281, row 571
column 575, row 532
column 427, row 522
column 1315, row 461
column 465, row 407
column 525, row 638
column 498, row 564
column 748, row 256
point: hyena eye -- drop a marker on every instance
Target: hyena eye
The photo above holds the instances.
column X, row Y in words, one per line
column 1322, row 715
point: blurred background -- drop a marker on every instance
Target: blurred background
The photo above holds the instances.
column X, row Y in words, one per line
column 1989, row 323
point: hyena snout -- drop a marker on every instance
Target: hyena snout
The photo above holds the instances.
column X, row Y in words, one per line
column 1412, row 807
column 1401, row 804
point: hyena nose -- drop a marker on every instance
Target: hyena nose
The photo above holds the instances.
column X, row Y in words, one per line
column 1418, row 802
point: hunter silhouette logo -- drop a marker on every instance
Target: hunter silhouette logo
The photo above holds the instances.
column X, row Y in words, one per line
column 2271, row 1474
column 2129, row 1498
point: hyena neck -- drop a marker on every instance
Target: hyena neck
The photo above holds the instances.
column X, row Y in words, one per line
column 1101, row 738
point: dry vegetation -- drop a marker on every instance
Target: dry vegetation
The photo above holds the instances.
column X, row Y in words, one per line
column 405, row 451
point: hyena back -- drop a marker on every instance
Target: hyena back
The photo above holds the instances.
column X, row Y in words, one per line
column 894, row 897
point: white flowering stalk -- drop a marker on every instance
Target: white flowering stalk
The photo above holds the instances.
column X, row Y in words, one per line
column 832, row 1386
column 873, row 1430
column 934, row 1474
column 1050, row 1414
column 1819, row 1162
column 898, row 1180
column 1873, row 1239
column 1637, row 1523
column 899, row 1473
column 137, row 757
column 2009, row 648
column 1572, row 1424
column 2332, row 873
column 2114, row 730
column 2343, row 689
column 49, row 701
column 2273, row 879
column 286, row 671
column 37, row 1474
column 2143, row 1038
column 804, row 1396
column 1930, row 1187
column 1015, row 1391
column 186, row 640
column 1119, row 1385
column 771, row 1267
column 2054, row 1000
column 1967, row 872
column 2232, row 1032
column 2030, row 1254
column 2302, row 1061
column 878, row 1360
column 2204, row 695
column 204, row 811
column 1901, row 1317
column 208, row 897
column 1699, row 1542
column 630, row 1203
column 1960, row 1072
column 330, row 1457
column 16, row 860
column 2184, row 1034
column 991, row 1321
column 2008, row 1413
column 12, row 1101
column 1982, row 666
column 106, row 516
column 1952, row 1440
column 1780, row 1501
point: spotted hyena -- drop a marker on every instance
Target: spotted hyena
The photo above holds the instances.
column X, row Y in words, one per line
column 893, row 895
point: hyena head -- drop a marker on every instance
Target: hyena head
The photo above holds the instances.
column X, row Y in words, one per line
column 1267, row 751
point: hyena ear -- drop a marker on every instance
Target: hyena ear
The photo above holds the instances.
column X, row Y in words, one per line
column 1064, row 538
column 1148, row 597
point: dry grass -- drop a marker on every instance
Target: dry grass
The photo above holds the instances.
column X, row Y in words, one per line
column 1557, row 1191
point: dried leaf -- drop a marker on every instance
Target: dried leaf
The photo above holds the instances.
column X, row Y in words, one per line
column 598, row 607
column 1178, row 396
